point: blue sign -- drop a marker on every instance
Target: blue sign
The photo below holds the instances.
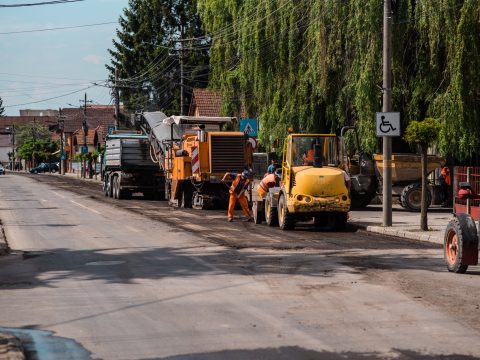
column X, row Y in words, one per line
column 63, row 156
column 84, row 149
column 110, row 129
column 249, row 127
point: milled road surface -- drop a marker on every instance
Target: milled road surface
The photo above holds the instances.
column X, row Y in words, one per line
column 91, row 277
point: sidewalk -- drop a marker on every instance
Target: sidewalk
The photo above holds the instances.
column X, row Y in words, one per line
column 405, row 224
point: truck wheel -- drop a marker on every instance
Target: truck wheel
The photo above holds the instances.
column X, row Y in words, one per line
column 286, row 221
column 110, row 187
column 257, row 210
column 454, row 246
column 411, row 197
column 271, row 214
column 116, row 185
column 105, row 186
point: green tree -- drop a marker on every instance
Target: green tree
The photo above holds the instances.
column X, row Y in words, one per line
column 424, row 134
column 34, row 143
column 147, row 58
column 2, row 109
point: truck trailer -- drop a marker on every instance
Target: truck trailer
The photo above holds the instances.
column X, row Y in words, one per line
column 128, row 167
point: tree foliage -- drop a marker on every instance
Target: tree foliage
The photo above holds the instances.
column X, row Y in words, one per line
column 2, row 109
column 34, row 143
column 317, row 65
column 147, row 57
column 424, row 133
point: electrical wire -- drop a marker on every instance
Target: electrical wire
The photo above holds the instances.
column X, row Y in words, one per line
column 57, row 28
column 41, row 3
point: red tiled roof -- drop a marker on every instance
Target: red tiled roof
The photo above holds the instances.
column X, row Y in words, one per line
column 207, row 102
column 7, row 121
column 95, row 117
column 79, row 134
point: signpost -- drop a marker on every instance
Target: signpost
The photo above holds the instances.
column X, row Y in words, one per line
column 388, row 124
column 110, row 129
column 249, row 127
column 84, row 150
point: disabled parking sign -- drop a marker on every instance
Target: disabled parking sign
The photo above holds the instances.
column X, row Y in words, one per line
column 388, row 124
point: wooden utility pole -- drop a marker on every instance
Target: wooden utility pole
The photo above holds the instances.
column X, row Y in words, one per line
column 387, row 107
column 85, row 130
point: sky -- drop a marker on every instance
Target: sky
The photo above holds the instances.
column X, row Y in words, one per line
column 35, row 66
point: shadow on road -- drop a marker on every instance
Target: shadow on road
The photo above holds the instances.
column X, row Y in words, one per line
column 297, row 353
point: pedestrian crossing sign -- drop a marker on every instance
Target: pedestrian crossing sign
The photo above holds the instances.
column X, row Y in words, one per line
column 249, row 127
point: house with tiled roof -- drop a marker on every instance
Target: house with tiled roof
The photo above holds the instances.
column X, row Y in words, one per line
column 207, row 102
column 98, row 118
column 8, row 122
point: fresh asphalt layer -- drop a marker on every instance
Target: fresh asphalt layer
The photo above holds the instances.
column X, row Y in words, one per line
column 91, row 277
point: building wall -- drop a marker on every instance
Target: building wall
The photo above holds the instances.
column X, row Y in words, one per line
column 4, row 150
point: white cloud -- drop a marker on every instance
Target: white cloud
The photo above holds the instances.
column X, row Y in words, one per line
column 94, row 59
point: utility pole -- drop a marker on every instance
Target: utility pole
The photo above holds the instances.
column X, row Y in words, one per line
column 13, row 147
column 387, row 107
column 181, row 71
column 116, row 95
column 34, row 136
column 61, row 125
column 85, row 130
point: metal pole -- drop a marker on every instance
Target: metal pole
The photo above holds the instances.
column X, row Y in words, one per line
column 13, row 148
column 181, row 72
column 85, row 129
column 117, row 100
column 387, row 106
column 469, row 202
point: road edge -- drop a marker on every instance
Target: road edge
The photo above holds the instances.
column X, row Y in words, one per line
column 398, row 233
column 4, row 248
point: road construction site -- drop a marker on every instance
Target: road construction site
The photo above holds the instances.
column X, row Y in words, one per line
column 191, row 285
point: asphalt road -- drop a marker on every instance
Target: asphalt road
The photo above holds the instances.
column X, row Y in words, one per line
column 90, row 277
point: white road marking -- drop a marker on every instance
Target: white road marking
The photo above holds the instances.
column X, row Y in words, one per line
column 63, row 197
column 133, row 229
column 85, row 207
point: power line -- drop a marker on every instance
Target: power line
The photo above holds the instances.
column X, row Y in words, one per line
column 40, row 3
column 57, row 28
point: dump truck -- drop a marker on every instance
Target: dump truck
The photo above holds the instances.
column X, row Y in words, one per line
column 195, row 153
column 314, row 185
column 128, row 167
column 366, row 177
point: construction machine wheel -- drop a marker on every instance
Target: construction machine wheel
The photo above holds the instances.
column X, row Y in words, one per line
column 105, row 186
column 271, row 214
column 460, row 243
column 361, row 201
column 341, row 221
column 257, row 210
column 411, row 197
column 286, row 221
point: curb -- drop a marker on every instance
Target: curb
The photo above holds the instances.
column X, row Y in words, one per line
column 431, row 238
column 11, row 347
column 4, row 249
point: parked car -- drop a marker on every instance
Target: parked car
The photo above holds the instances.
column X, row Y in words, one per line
column 2, row 170
column 44, row 167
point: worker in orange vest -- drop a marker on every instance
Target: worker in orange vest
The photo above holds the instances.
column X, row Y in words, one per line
column 446, row 184
column 268, row 181
column 309, row 156
column 237, row 192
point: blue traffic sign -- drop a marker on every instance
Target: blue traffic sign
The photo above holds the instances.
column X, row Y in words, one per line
column 110, row 129
column 63, row 156
column 249, row 127
column 84, row 149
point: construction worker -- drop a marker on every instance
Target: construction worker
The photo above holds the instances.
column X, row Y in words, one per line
column 446, row 185
column 268, row 181
column 237, row 192
column 309, row 155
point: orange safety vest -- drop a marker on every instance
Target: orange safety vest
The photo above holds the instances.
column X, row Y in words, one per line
column 239, row 185
column 446, row 175
column 267, row 182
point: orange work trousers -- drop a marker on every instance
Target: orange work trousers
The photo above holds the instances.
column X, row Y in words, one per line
column 242, row 199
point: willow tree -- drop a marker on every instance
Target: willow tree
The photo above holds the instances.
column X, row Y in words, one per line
column 316, row 64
